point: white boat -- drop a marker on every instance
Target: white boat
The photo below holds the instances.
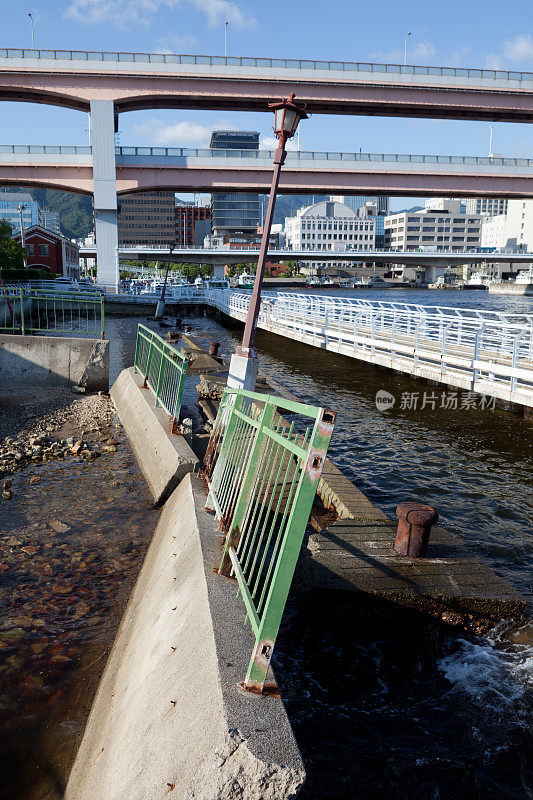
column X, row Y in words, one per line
column 524, row 277
column 245, row 281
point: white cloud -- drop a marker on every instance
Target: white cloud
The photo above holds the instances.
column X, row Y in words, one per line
column 174, row 43
column 515, row 51
column 418, row 53
column 520, row 48
column 125, row 13
column 271, row 143
column 179, row 134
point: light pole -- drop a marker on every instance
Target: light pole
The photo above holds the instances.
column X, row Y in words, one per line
column 32, row 32
column 243, row 365
column 22, row 240
column 226, row 39
column 160, row 309
column 405, row 48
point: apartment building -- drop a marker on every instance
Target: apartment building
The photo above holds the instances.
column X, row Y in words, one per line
column 441, row 228
column 146, row 218
column 192, row 225
column 490, row 206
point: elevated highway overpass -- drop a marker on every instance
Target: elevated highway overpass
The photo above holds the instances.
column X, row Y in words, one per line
column 133, row 81
column 108, row 83
column 305, row 172
column 198, row 255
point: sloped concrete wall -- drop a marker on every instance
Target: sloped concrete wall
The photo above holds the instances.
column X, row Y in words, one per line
column 27, row 361
column 170, row 719
column 163, row 457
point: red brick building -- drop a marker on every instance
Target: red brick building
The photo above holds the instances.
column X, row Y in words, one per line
column 51, row 251
column 186, row 217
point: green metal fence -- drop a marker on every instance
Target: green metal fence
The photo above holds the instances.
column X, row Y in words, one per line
column 262, row 466
column 34, row 311
column 163, row 369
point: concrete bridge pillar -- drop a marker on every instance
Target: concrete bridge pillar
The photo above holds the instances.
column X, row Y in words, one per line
column 105, row 191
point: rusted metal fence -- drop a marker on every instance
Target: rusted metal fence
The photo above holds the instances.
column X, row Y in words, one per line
column 262, row 467
column 163, row 368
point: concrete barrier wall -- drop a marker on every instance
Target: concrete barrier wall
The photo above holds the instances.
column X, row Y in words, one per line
column 169, row 718
column 6, row 319
column 27, row 361
column 163, row 457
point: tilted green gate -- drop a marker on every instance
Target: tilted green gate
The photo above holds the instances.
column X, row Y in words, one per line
column 262, row 467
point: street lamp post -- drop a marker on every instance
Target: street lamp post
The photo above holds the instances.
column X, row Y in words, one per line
column 22, row 239
column 405, row 48
column 243, row 365
column 160, row 309
column 32, row 32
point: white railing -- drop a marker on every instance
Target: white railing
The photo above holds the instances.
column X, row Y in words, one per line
column 266, row 155
column 268, row 63
column 485, row 351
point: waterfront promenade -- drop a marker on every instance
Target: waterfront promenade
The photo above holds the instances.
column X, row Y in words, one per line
column 482, row 351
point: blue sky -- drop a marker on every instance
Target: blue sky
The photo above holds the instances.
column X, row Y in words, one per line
column 456, row 33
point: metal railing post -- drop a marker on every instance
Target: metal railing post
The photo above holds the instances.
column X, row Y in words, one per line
column 515, row 359
column 477, row 348
column 22, row 321
column 102, row 316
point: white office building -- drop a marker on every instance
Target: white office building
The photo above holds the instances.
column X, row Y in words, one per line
column 440, row 226
column 330, row 226
column 490, row 206
column 494, row 232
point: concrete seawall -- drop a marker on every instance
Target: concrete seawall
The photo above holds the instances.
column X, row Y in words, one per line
column 163, row 457
column 170, row 718
column 54, row 361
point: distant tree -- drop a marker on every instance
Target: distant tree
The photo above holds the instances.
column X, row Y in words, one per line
column 11, row 253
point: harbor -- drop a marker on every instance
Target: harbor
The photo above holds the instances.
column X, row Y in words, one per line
column 475, row 481
column 266, row 403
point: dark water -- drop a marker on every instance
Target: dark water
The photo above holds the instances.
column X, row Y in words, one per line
column 383, row 702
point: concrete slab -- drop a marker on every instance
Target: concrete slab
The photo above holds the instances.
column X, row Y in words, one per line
column 356, row 555
column 170, row 718
column 164, row 458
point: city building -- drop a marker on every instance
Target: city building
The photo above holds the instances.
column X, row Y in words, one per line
column 193, row 224
column 146, row 218
column 9, row 209
column 440, row 226
column 491, row 206
column 494, row 232
column 32, row 214
column 358, row 201
column 237, row 212
column 49, row 220
column 51, row 251
column 331, row 226
column 519, row 225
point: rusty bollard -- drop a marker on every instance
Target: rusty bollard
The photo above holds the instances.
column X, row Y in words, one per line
column 187, row 328
column 213, row 348
column 414, row 528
